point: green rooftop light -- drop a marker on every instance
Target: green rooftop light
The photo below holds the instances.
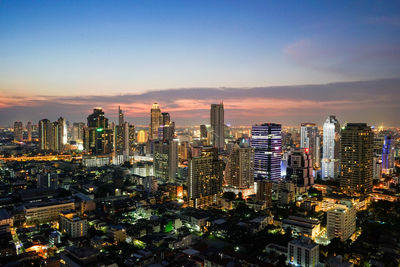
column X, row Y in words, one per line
column 99, row 129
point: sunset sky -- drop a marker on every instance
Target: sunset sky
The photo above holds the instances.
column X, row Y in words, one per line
column 282, row 61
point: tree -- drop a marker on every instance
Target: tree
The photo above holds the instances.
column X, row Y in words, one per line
column 229, row 196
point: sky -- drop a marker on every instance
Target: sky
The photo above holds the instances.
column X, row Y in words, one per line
column 268, row 61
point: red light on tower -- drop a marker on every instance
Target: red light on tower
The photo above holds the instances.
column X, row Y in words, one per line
column 306, row 150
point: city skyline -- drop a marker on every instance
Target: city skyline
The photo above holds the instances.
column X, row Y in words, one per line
column 289, row 105
column 294, row 59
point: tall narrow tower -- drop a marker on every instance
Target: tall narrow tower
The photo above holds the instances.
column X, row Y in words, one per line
column 217, row 125
column 155, row 121
column 331, row 148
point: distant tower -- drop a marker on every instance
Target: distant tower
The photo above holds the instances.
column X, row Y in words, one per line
column 46, row 135
column 217, row 125
column 29, row 130
column 310, row 139
column 120, row 117
column 331, row 148
column 98, row 138
column 155, row 121
column 357, row 154
column 203, row 132
column 18, row 131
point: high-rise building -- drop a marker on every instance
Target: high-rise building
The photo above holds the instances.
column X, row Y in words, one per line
column 341, row 221
column 264, row 191
column 303, row 252
column 356, row 162
column 300, row 168
column 77, row 131
column 166, row 119
column 98, row 138
column 18, row 131
column 132, row 139
column 217, row 125
column 310, row 139
column 203, row 132
column 387, row 155
column 166, row 160
column 155, row 121
column 47, row 180
column 120, row 117
column 29, row 131
column 239, row 171
column 141, row 137
column 205, row 178
column 331, row 148
column 60, row 134
column 46, row 135
column 266, row 139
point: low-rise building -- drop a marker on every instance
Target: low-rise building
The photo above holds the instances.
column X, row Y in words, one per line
column 72, row 224
column 303, row 252
column 302, row 226
column 44, row 212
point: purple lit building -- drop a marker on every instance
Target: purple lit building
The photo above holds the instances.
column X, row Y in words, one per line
column 266, row 139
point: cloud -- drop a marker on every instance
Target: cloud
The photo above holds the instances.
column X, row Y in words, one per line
column 370, row 101
column 349, row 60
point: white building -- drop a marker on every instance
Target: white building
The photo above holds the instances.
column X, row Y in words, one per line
column 341, row 221
column 331, row 148
column 303, row 252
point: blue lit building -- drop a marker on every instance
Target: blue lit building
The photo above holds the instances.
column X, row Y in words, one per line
column 387, row 155
column 266, row 139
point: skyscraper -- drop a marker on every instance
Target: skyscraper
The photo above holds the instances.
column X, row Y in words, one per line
column 217, row 125
column 203, row 132
column 77, row 131
column 357, row 153
column 239, row 171
column 331, row 148
column 98, row 139
column 46, row 138
column 205, row 178
column 18, row 131
column 155, row 121
column 29, row 131
column 387, row 155
column 266, row 139
column 310, row 139
column 166, row 160
column 120, row 117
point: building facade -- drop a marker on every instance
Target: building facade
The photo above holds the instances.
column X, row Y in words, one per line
column 217, row 125
column 331, row 148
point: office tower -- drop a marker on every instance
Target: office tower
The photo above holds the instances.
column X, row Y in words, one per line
column 126, row 140
column 46, row 139
column 266, row 140
column 357, row 153
column 98, row 139
column 77, row 131
column 155, row 121
column 303, row 252
column 141, row 137
column 120, row 117
column 341, row 221
column 331, row 148
column 379, row 139
column 205, row 178
column 167, row 131
column 18, row 131
column 203, row 132
column 300, row 168
column 119, row 139
column 310, row 139
column 387, row 155
column 29, row 131
column 239, row 171
column 217, row 125
column 166, row 119
column 166, row 160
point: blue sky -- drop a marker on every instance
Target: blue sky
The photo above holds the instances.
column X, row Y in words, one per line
column 75, row 48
